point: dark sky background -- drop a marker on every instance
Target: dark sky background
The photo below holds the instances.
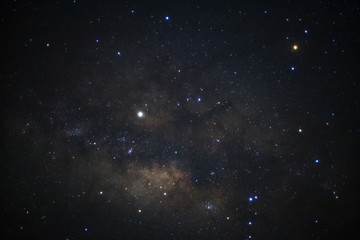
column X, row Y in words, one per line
column 179, row 119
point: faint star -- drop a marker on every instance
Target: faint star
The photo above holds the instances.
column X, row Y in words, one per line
column 130, row 151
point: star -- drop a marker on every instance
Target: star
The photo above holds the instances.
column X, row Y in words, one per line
column 140, row 114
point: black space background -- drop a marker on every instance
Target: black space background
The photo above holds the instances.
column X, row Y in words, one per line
column 56, row 100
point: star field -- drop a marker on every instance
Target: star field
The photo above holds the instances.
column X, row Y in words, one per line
column 179, row 120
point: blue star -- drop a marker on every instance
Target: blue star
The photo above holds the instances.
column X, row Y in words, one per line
column 119, row 53
column 292, row 68
column 250, row 199
column 167, row 18
column 306, row 31
column 317, row 161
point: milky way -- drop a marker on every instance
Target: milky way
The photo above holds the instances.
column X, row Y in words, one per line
column 179, row 120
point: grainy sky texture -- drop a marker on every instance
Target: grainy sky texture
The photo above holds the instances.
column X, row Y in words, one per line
column 179, row 119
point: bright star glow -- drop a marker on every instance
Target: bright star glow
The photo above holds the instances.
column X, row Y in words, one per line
column 295, row 47
column 140, row 114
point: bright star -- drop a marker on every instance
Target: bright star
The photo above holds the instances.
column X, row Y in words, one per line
column 140, row 114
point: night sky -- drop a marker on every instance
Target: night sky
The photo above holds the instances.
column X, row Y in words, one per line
column 180, row 119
